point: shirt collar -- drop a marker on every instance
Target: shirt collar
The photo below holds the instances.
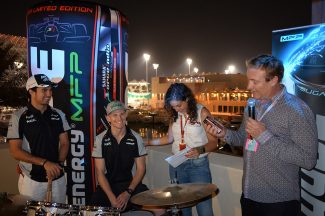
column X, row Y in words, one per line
column 36, row 111
column 267, row 102
column 278, row 95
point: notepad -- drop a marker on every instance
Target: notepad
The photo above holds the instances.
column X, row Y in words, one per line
column 177, row 159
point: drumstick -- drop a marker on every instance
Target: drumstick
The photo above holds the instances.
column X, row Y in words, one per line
column 49, row 190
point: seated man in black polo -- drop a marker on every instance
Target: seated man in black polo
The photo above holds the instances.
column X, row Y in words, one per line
column 116, row 151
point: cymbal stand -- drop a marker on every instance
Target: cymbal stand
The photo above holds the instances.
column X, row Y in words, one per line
column 173, row 211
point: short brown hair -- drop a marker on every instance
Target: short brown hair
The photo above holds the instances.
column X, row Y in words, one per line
column 272, row 66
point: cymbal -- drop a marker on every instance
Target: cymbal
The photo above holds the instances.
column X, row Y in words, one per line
column 178, row 195
column 14, row 204
column 18, row 199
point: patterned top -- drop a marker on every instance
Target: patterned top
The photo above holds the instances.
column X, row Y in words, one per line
column 271, row 174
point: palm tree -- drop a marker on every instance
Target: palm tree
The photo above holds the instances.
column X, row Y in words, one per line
column 12, row 86
column 13, row 72
column 8, row 55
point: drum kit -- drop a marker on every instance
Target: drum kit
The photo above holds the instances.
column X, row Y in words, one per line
column 173, row 198
column 39, row 208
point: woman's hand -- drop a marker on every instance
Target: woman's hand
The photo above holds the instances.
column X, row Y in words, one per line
column 192, row 153
column 214, row 131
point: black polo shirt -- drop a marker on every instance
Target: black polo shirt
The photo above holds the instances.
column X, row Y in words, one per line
column 119, row 158
column 40, row 134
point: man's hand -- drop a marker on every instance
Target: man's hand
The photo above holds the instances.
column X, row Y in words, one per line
column 114, row 202
column 53, row 170
column 254, row 128
column 122, row 200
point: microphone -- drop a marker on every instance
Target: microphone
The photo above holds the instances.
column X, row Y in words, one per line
column 251, row 111
column 251, row 108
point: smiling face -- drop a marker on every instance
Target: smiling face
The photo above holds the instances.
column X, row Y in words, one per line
column 117, row 119
column 179, row 106
column 41, row 96
column 257, row 84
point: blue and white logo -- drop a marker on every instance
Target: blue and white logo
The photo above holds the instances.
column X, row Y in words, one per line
column 293, row 37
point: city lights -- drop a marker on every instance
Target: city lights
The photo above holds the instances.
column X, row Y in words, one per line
column 189, row 62
column 146, row 58
column 155, row 66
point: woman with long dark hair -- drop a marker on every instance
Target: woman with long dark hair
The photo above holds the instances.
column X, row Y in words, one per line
column 187, row 131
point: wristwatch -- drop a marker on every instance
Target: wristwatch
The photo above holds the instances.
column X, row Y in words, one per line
column 61, row 163
column 129, row 190
column 200, row 149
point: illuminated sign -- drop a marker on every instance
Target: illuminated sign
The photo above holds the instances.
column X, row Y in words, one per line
column 293, row 37
column 82, row 47
column 303, row 77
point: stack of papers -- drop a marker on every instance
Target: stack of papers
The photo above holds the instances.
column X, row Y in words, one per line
column 177, row 159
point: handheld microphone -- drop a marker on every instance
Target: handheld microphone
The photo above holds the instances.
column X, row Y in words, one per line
column 251, row 108
column 251, row 111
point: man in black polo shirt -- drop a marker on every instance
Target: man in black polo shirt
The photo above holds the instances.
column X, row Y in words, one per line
column 116, row 151
column 38, row 138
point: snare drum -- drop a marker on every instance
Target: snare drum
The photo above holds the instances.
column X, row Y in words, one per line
column 98, row 211
column 38, row 208
column 137, row 213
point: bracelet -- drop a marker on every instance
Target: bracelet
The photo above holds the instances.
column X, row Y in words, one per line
column 155, row 142
column 44, row 162
column 129, row 190
column 200, row 149
column 61, row 164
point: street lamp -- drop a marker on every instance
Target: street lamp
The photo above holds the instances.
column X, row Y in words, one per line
column 189, row 62
column 231, row 68
column 146, row 58
column 155, row 66
column 196, row 70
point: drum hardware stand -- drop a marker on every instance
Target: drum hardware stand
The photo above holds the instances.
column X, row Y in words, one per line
column 174, row 211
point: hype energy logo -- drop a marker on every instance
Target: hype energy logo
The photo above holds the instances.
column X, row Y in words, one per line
column 57, row 74
column 292, row 37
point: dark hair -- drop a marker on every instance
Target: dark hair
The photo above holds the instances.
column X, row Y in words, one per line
column 29, row 96
column 180, row 92
column 272, row 66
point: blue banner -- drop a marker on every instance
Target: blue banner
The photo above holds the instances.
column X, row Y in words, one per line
column 302, row 51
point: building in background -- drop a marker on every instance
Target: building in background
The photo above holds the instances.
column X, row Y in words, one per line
column 138, row 94
column 225, row 95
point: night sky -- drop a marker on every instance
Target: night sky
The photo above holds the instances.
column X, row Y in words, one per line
column 213, row 33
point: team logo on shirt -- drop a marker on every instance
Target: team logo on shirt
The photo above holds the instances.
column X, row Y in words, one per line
column 107, row 141
column 55, row 117
column 30, row 118
column 130, row 142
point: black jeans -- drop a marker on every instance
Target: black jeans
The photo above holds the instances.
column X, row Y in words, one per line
column 252, row 208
